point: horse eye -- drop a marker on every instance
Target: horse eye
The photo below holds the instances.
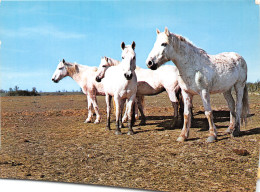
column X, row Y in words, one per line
column 103, row 65
column 164, row 44
column 60, row 68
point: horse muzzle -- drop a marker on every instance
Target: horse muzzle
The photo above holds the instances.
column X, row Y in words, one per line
column 128, row 76
column 55, row 81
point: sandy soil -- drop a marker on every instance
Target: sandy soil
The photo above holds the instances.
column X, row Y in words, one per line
column 44, row 138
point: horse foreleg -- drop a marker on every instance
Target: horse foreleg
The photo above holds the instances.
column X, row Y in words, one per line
column 95, row 106
column 117, row 105
column 90, row 114
column 231, row 105
column 125, row 117
column 140, row 105
column 108, row 102
column 208, row 112
column 187, row 117
column 130, row 113
column 122, row 103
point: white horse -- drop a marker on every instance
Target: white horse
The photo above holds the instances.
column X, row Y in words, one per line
column 85, row 77
column 203, row 74
column 120, row 81
column 150, row 83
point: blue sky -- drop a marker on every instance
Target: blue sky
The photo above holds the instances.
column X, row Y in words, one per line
column 36, row 35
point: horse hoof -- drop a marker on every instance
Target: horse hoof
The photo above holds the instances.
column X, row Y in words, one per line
column 130, row 133
column 124, row 120
column 122, row 126
column 142, row 123
column 211, row 139
column 235, row 133
column 174, row 122
column 181, row 139
column 108, row 128
column 228, row 131
column 97, row 122
column 87, row 121
column 118, row 132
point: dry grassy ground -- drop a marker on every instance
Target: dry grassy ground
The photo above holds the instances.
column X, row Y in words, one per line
column 44, row 138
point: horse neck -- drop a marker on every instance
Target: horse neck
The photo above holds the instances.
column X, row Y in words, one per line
column 114, row 62
column 187, row 57
column 77, row 73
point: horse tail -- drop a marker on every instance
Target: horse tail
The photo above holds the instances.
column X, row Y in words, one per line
column 245, row 106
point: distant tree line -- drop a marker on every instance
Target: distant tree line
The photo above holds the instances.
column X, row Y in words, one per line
column 17, row 92
column 254, row 87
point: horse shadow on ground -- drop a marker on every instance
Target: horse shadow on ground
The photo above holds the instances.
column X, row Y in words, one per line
column 219, row 116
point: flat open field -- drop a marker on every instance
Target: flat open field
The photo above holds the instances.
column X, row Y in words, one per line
column 44, row 138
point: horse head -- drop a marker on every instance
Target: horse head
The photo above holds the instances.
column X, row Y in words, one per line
column 128, row 60
column 161, row 51
column 61, row 71
column 105, row 63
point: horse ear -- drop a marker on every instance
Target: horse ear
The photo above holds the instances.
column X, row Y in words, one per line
column 157, row 31
column 106, row 59
column 63, row 60
column 123, row 45
column 167, row 31
column 133, row 45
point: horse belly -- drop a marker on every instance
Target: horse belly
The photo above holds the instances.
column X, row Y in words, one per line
column 144, row 88
column 222, row 84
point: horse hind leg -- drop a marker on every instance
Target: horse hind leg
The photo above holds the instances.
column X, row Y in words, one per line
column 175, row 114
column 231, row 105
column 174, row 96
column 239, row 96
column 140, row 103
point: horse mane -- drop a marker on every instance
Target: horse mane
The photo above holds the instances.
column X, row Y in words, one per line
column 113, row 62
column 71, row 69
column 178, row 39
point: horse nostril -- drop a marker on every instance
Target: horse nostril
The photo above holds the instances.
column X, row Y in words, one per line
column 98, row 79
column 150, row 63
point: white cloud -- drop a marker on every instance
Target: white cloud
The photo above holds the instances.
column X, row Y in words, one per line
column 18, row 75
column 37, row 31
